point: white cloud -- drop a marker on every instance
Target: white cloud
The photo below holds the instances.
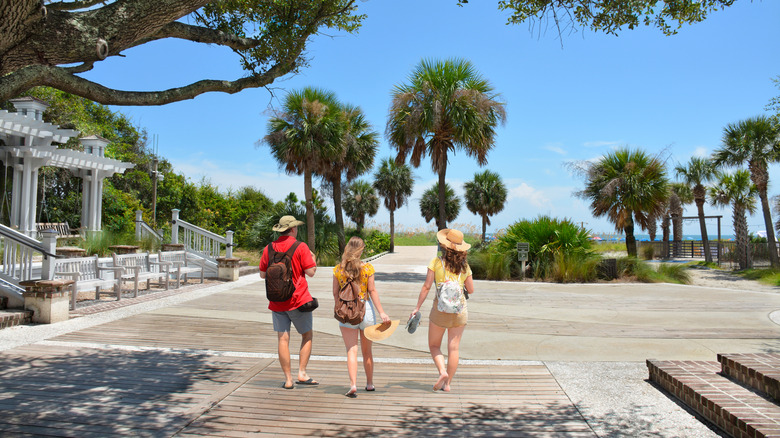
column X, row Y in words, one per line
column 530, row 194
column 555, row 148
column 598, row 144
column 701, row 151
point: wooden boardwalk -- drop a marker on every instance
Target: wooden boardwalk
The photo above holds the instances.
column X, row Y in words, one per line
column 59, row 389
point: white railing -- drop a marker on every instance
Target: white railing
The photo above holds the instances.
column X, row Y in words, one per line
column 200, row 241
column 19, row 259
column 144, row 230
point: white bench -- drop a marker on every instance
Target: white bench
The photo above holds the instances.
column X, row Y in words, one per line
column 87, row 275
column 181, row 265
column 64, row 231
column 138, row 268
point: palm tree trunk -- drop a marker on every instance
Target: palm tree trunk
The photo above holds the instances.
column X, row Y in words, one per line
column 392, row 230
column 770, row 230
column 703, row 229
column 442, row 222
column 484, row 228
column 339, row 214
column 741, row 229
column 307, row 193
column 665, row 227
column 630, row 239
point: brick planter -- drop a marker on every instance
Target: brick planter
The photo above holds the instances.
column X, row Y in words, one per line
column 228, row 268
column 47, row 299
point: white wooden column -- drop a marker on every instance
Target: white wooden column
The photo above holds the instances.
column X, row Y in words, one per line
column 24, row 217
column 16, row 193
column 85, row 202
column 94, row 204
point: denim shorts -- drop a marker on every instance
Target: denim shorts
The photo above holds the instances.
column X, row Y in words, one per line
column 369, row 318
column 301, row 320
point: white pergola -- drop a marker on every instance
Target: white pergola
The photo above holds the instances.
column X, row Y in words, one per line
column 28, row 146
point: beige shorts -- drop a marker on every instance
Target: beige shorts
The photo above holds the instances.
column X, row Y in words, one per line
column 448, row 320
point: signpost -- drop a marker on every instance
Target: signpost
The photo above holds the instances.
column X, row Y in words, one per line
column 522, row 254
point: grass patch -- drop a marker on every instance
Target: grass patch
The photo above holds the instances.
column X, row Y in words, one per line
column 631, row 268
column 251, row 256
column 770, row 277
column 603, row 247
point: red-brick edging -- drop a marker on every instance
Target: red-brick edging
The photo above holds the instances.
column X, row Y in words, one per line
column 736, row 410
column 758, row 371
column 9, row 318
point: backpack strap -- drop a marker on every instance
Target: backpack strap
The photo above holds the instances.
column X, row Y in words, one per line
column 290, row 251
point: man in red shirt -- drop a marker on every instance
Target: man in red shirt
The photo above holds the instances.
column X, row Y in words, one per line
column 286, row 313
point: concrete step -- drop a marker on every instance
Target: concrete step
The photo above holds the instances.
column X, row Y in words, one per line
column 244, row 268
column 10, row 318
column 761, row 372
column 736, row 410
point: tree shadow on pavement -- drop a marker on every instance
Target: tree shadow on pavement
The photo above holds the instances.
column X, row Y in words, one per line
column 102, row 393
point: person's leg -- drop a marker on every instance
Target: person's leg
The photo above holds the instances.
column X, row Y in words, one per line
column 303, row 324
column 284, row 357
column 454, row 336
column 350, row 336
column 281, row 322
column 304, row 355
column 368, row 360
column 435, row 335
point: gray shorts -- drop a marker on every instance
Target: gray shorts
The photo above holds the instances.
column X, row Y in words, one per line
column 301, row 320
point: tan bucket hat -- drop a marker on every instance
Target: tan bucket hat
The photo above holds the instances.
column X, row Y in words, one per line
column 382, row 331
column 285, row 223
column 452, row 239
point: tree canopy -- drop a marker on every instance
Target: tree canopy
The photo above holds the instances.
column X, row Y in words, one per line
column 610, row 16
column 51, row 43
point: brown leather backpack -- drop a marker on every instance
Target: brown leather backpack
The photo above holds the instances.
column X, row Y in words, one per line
column 279, row 285
column 349, row 308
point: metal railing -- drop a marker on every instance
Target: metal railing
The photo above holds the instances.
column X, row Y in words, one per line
column 203, row 242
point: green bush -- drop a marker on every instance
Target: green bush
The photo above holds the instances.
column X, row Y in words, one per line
column 376, row 242
column 674, row 273
column 546, row 237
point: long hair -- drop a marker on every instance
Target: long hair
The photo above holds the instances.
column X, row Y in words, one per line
column 350, row 260
column 454, row 261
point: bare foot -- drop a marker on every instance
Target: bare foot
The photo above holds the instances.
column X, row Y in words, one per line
column 446, row 387
column 441, row 382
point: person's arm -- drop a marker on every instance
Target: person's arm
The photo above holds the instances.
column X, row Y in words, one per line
column 336, row 288
column 375, row 299
column 311, row 271
column 469, row 284
column 426, row 287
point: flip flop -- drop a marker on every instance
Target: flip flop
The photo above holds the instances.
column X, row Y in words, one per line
column 370, row 389
column 287, row 387
column 351, row 394
column 414, row 321
column 309, row 382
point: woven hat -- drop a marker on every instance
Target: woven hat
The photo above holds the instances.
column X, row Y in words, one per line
column 452, row 239
column 285, row 223
column 382, row 331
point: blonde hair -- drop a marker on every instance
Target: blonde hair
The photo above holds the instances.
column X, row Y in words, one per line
column 455, row 261
column 350, row 260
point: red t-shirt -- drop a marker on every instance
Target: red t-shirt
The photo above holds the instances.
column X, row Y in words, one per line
column 301, row 261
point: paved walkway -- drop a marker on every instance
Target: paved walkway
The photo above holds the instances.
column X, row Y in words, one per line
column 539, row 359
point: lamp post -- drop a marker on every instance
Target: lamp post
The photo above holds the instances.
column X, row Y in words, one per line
column 155, row 177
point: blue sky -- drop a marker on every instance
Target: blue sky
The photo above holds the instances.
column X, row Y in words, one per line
column 568, row 99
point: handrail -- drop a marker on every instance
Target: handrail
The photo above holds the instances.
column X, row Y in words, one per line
column 199, row 240
column 24, row 239
column 143, row 229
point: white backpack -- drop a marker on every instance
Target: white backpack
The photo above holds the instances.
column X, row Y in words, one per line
column 450, row 294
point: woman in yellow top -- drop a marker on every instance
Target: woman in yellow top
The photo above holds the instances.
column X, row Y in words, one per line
column 352, row 268
column 451, row 265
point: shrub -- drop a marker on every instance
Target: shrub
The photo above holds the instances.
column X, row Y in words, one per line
column 376, row 242
column 546, row 237
column 576, row 267
column 648, row 252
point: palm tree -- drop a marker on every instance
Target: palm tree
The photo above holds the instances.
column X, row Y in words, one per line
column 429, row 204
column 696, row 174
column 306, row 132
column 360, row 200
column 485, row 196
column 394, row 183
column 627, row 186
column 446, row 105
column 358, row 149
column 679, row 195
column 737, row 190
column 755, row 141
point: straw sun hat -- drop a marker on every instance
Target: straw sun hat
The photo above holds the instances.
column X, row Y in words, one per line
column 381, row 331
column 285, row 223
column 452, row 239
